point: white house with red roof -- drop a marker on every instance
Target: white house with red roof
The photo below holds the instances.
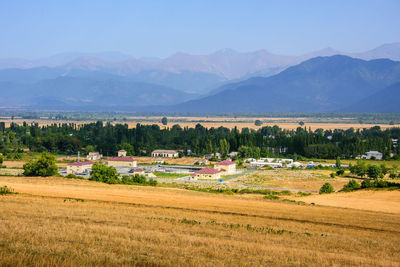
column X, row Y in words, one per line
column 79, row 167
column 207, row 173
column 122, row 162
column 226, row 167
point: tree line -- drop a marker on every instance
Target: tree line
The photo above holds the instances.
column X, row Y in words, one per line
column 69, row 138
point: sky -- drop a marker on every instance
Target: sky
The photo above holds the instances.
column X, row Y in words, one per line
column 35, row 29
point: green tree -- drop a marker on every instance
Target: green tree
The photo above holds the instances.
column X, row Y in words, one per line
column 327, row 188
column 102, row 173
column 1, row 160
column 127, row 147
column 338, row 163
column 374, row 171
column 44, row 166
column 164, row 120
column 223, row 147
column 360, row 169
column 258, row 123
column 351, row 186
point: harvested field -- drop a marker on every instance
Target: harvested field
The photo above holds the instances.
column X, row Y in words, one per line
column 311, row 180
column 56, row 221
column 375, row 200
column 20, row 164
column 240, row 123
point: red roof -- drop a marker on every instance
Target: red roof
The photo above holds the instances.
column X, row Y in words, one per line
column 225, row 162
column 80, row 163
column 208, row 170
column 123, row 159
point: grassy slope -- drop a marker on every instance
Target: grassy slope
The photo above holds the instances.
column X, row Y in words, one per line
column 55, row 221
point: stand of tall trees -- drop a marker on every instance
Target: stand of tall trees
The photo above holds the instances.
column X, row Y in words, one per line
column 141, row 140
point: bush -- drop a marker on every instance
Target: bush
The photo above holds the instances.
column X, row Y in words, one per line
column 152, row 182
column 327, row 188
column 374, row 171
column 367, row 184
column 102, row 173
column 340, row 172
column 381, row 184
column 392, row 175
column 6, row 190
column 72, row 176
column 333, row 175
column 44, row 166
column 1, row 159
column 351, row 186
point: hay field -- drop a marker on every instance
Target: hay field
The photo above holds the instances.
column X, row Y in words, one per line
column 310, row 180
column 240, row 123
column 56, row 221
column 375, row 200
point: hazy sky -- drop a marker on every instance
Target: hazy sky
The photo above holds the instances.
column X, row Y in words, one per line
column 34, row 29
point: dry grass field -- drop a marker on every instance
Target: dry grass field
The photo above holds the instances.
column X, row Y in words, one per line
column 62, row 222
column 310, row 180
column 240, row 123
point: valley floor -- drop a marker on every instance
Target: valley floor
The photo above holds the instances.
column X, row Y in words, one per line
column 63, row 222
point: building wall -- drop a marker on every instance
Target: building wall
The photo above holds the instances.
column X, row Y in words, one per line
column 229, row 169
column 165, row 155
column 122, row 163
column 73, row 169
column 121, row 153
column 209, row 176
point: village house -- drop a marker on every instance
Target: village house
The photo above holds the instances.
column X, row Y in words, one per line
column 213, row 156
column 160, row 153
column 94, row 156
column 372, row 155
column 206, row 173
column 138, row 171
column 121, row 153
column 79, row 167
column 226, row 166
column 122, row 162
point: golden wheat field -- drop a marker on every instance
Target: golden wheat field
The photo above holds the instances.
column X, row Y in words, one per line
column 63, row 222
column 240, row 123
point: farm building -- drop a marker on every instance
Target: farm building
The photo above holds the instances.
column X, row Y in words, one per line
column 373, row 155
column 121, row 153
column 226, row 166
column 94, row 156
column 207, row 173
column 138, row 171
column 160, row 153
column 79, row 167
column 212, row 156
column 122, row 162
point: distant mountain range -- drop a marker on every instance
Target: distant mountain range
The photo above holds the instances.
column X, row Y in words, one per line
column 224, row 81
column 322, row 84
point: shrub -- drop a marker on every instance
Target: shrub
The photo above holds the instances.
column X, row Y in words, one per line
column 72, row 176
column 333, row 175
column 44, row 166
column 327, row 188
column 340, row 172
column 374, row 171
column 367, row 184
column 5, row 190
column 272, row 197
column 102, row 173
column 392, row 175
column 351, row 186
column 152, row 182
column 381, row 184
